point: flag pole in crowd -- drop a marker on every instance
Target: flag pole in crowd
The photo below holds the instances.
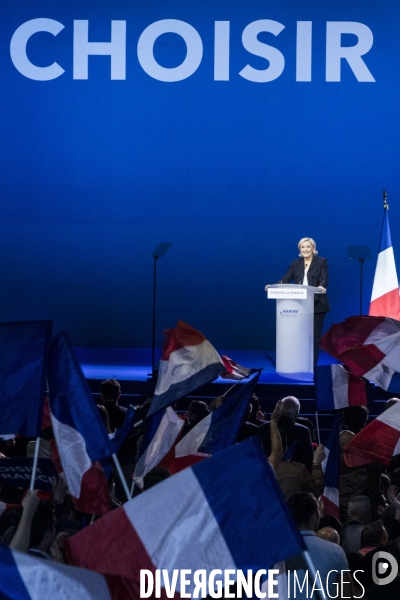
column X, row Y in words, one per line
column 35, row 464
column 317, row 423
column 121, row 476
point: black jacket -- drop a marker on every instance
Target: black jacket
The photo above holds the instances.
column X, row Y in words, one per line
column 295, row 434
column 317, row 275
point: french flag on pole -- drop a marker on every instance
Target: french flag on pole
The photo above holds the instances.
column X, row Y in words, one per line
column 330, row 467
column 188, row 361
column 219, row 429
column 377, row 442
column 336, row 388
column 226, row 512
column 23, row 577
column 385, row 301
column 369, row 347
column 78, row 429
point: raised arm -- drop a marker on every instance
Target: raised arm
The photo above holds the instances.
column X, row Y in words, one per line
column 276, row 441
column 22, row 535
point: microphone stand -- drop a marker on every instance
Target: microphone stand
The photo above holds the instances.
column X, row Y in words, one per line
column 159, row 252
column 360, row 253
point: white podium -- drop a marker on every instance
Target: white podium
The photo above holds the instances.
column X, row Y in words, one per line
column 294, row 329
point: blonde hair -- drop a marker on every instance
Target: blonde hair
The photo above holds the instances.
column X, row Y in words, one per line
column 312, row 242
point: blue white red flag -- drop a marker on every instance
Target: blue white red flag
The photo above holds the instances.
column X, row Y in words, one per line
column 385, row 300
column 161, row 432
column 188, row 361
column 378, row 442
column 369, row 347
column 78, row 429
column 23, row 348
column 336, row 388
column 219, row 429
column 227, row 512
column 23, row 577
column 234, row 370
column 330, row 467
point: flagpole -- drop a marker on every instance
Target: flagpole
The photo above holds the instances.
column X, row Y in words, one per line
column 121, row 476
column 231, row 388
column 35, row 463
column 385, row 204
column 316, row 419
column 235, row 384
column 313, row 571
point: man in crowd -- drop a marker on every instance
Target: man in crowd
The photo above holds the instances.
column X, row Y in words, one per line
column 297, row 436
column 110, row 394
column 325, row 556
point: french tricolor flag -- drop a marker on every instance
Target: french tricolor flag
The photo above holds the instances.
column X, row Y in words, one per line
column 188, row 361
column 385, row 301
column 81, row 437
column 214, row 433
column 23, row 577
column 219, row 429
column 336, row 388
column 369, row 347
column 377, row 442
column 226, row 512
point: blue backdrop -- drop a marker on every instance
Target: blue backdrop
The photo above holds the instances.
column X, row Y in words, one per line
column 96, row 171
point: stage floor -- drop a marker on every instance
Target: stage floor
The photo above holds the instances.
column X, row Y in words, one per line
column 134, row 364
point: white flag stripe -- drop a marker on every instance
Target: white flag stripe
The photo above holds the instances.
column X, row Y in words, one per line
column 162, row 442
column 340, row 386
column 55, row 581
column 391, row 416
column 396, row 451
column 192, row 440
column 177, row 549
column 382, row 331
column 72, row 448
column 385, row 279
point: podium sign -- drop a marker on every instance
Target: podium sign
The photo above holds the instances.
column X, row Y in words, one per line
column 294, row 329
column 298, row 294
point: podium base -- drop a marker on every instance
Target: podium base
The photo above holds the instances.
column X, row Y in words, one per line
column 309, row 377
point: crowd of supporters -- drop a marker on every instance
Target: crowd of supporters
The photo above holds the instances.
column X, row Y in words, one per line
column 368, row 518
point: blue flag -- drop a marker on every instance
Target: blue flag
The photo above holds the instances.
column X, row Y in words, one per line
column 23, row 349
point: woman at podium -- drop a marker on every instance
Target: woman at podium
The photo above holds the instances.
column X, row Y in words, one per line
column 311, row 269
